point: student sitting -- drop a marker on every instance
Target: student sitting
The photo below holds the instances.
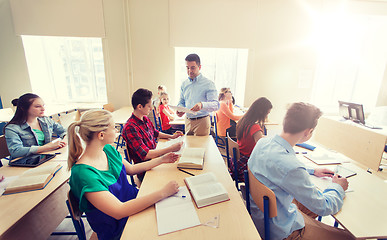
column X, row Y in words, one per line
column 225, row 114
column 29, row 131
column 156, row 102
column 274, row 163
column 250, row 129
column 166, row 114
column 141, row 135
column 99, row 176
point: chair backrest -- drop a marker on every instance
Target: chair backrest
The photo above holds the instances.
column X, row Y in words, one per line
column 131, row 162
column 157, row 119
column 258, row 191
column 232, row 148
column 65, row 119
column 3, row 147
column 109, row 107
column 76, row 214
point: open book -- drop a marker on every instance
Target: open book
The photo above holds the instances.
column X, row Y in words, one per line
column 192, row 158
column 206, row 190
column 33, row 179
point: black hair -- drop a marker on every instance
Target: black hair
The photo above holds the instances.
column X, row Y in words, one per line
column 141, row 96
column 193, row 57
column 23, row 104
column 14, row 102
column 257, row 112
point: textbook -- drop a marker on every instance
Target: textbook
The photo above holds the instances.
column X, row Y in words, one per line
column 206, row 190
column 33, row 179
column 192, row 158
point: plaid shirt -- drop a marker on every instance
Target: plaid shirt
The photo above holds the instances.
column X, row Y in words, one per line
column 140, row 136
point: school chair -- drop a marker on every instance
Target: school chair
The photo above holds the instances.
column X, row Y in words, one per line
column 131, row 162
column 263, row 197
column 218, row 140
column 233, row 148
column 4, row 153
column 109, row 107
column 76, row 217
column 65, row 119
column 157, row 119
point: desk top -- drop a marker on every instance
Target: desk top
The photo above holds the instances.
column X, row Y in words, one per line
column 122, row 115
column 15, row 206
column 6, row 114
column 364, row 212
column 234, row 223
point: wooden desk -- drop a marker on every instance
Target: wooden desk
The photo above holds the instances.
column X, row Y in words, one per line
column 6, row 115
column 235, row 222
column 34, row 214
column 359, row 143
column 122, row 115
column 364, row 212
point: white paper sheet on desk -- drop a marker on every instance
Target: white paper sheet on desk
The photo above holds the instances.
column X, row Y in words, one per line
column 182, row 109
column 170, row 142
column 323, row 182
column 176, row 213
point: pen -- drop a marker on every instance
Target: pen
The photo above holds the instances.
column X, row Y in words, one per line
column 179, row 196
column 186, row 172
column 301, row 152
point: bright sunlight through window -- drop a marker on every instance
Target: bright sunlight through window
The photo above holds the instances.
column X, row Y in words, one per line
column 66, row 69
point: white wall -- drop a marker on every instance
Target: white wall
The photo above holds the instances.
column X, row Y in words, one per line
column 138, row 50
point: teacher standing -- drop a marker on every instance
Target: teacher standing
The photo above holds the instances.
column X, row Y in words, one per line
column 199, row 94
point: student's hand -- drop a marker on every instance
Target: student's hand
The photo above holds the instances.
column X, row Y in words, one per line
column 323, row 172
column 1, row 178
column 56, row 144
column 171, row 188
column 177, row 134
column 171, row 118
column 180, row 114
column 169, row 158
column 197, row 107
column 176, row 147
column 343, row 182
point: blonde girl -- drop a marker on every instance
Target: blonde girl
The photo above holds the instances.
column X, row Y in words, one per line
column 166, row 114
column 99, row 175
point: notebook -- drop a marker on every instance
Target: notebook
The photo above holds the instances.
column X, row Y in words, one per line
column 31, row 160
column 323, row 158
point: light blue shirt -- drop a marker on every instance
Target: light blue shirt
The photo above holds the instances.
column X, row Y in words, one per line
column 274, row 163
column 199, row 89
column 23, row 141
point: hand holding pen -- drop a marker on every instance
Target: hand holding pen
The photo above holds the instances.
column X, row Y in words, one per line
column 323, row 172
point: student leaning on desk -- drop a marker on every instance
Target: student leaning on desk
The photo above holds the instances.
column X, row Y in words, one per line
column 98, row 175
column 274, row 163
column 29, row 131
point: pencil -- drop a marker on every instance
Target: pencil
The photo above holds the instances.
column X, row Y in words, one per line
column 186, row 172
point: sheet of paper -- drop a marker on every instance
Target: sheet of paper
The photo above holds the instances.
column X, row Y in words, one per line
column 166, row 144
column 6, row 182
column 182, row 109
column 176, row 213
column 324, row 182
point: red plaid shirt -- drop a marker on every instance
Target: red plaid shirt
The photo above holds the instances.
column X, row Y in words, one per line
column 140, row 136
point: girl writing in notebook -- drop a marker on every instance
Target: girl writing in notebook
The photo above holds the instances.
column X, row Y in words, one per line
column 99, row 175
column 249, row 129
column 29, row 131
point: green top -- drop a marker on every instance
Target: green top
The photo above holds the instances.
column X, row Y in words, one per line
column 40, row 136
column 85, row 178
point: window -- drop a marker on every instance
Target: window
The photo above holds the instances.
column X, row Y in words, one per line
column 66, row 69
column 352, row 53
column 225, row 66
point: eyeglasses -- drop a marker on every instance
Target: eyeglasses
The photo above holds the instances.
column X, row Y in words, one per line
column 227, row 91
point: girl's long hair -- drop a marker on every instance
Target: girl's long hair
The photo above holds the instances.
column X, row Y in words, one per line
column 23, row 104
column 257, row 112
column 92, row 121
